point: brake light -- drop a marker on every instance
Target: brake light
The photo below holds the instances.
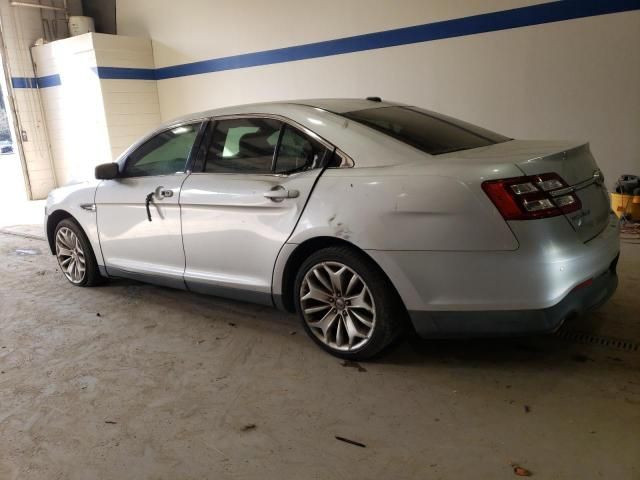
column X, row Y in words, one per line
column 528, row 198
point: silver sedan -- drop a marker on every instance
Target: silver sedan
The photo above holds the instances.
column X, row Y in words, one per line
column 368, row 218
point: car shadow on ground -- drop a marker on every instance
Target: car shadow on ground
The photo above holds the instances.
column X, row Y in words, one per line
column 524, row 352
column 578, row 341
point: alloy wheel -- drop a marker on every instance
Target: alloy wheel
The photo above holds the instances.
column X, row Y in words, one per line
column 70, row 255
column 337, row 306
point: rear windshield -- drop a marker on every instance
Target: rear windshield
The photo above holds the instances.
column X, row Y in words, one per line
column 427, row 131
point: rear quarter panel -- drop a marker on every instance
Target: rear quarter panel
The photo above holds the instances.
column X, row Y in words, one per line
column 386, row 208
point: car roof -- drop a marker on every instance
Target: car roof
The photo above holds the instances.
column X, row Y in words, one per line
column 343, row 105
column 333, row 105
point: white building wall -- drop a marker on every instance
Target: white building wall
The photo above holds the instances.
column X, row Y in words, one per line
column 73, row 108
column 20, row 28
column 92, row 120
column 574, row 79
column 131, row 106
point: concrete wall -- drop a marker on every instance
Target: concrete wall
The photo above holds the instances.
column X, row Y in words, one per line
column 73, row 108
column 12, row 181
column 20, row 28
column 92, row 120
column 574, row 79
column 131, row 107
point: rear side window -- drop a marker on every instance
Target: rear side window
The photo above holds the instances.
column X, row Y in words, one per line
column 427, row 131
column 299, row 152
column 244, row 145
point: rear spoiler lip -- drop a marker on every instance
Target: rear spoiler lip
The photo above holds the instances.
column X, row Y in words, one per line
column 571, row 146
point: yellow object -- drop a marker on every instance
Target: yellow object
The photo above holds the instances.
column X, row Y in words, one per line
column 628, row 205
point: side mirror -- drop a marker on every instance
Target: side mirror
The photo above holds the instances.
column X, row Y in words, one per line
column 107, row 171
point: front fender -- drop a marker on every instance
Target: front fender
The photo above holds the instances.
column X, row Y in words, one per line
column 69, row 202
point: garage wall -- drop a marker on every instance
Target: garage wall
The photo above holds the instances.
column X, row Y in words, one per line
column 131, row 106
column 92, row 120
column 574, row 79
column 73, row 107
column 20, row 28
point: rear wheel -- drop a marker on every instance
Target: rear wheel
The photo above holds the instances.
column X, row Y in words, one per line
column 347, row 304
column 75, row 255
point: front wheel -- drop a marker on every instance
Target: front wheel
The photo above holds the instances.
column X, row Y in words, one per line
column 347, row 304
column 75, row 255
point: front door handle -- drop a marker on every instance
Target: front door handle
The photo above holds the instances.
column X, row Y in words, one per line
column 161, row 192
column 279, row 193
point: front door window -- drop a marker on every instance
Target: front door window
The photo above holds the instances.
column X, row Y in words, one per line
column 165, row 154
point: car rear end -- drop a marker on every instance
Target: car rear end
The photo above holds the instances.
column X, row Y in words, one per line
column 569, row 238
column 552, row 197
column 568, row 246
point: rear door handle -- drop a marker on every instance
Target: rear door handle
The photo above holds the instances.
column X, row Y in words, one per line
column 279, row 193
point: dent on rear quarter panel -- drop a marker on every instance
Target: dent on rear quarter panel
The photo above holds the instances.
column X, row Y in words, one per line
column 382, row 212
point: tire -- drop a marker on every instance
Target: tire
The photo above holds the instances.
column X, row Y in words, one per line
column 332, row 303
column 70, row 252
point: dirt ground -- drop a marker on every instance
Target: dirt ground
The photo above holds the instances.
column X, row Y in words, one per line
column 132, row 381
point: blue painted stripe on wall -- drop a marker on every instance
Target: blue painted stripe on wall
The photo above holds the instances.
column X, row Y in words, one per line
column 459, row 27
column 118, row 73
column 49, row 81
column 488, row 22
column 23, row 82
column 40, row 82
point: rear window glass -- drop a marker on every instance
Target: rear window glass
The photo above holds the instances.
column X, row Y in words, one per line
column 243, row 145
column 427, row 131
column 298, row 152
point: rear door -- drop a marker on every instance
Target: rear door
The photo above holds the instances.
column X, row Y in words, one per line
column 242, row 207
column 146, row 243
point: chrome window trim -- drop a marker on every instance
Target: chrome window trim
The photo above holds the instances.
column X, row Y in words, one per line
column 270, row 175
column 347, row 160
column 280, row 118
column 164, row 175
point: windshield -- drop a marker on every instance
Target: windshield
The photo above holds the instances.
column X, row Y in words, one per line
column 427, row 131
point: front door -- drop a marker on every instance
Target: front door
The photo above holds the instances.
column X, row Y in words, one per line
column 240, row 210
column 138, row 213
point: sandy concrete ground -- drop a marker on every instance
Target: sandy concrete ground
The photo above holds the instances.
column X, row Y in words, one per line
column 131, row 381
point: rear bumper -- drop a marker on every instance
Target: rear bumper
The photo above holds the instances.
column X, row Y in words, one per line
column 446, row 324
column 529, row 290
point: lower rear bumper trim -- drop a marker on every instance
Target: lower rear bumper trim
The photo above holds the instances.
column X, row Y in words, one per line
column 497, row 323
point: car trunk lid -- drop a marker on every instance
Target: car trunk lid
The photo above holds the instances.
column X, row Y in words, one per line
column 572, row 161
column 578, row 169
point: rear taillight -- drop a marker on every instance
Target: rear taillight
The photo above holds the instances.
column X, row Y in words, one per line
column 528, row 198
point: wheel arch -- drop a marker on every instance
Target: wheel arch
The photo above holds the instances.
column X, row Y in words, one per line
column 52, row 221
column 301, row 252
